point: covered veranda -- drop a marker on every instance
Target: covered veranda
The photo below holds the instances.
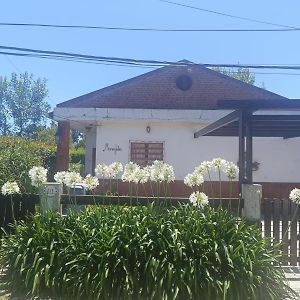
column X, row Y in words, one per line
column 254, row 118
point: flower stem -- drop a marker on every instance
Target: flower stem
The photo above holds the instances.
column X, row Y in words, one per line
column 290, row 224
column 220, row 183
column 211, row 187
column 230, row 194
column 12, row 208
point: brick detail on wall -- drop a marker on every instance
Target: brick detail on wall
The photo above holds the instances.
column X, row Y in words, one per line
column 278, row 190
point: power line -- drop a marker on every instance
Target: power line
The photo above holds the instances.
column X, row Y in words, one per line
column 26, row 52
column 288, row 29
column 119, row 65
column 228, row 15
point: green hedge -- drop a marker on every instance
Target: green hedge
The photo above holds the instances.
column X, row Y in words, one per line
column 18, row 155
column 142, row 253
column 77, row 155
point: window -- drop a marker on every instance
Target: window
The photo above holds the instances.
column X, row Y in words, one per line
column 145, row 153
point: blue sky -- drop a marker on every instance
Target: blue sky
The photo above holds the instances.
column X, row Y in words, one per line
column 68, row 79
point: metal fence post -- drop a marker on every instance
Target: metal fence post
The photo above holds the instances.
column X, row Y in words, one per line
column 79, row 189
column 252, row 194
column 50, row 197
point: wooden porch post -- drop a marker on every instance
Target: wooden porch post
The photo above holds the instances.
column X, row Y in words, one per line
column 245, row 147
column 249, row 146
column 62, row 142
column 242, row 156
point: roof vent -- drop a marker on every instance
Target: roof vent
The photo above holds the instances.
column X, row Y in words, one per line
column 184, row 82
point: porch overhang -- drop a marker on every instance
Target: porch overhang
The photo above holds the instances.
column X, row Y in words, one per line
column 254, row 118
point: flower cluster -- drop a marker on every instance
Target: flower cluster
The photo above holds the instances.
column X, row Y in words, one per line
column 230, row 169
column 9, row 188
column 193, row 179
column 70, row 179
column 196, row 178
column 295, row 195
column 108, row 171
column 204, row 167
column 161, row 172
column 114, row 169
column 132, row 173
column 60, row 176
column 38, row 176
column 218, row 164
column 199, row 199
column 90, row 182
column 158, row 172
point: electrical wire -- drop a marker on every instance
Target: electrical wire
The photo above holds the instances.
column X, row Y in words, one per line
column 288, row 29
column 26, row 52
column 228, row 15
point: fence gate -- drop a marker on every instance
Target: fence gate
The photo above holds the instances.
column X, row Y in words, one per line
column 278, row 217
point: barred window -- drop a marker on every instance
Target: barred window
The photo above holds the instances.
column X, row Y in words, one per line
column 145, row 153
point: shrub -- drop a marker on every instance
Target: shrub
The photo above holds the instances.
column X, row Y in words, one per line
column 77, row 155
column 77, row 159
column 18, row 155
column 142, row 253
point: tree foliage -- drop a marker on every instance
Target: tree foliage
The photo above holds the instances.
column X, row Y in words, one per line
column 242, row 74
column 18, row 155
column 23, row 104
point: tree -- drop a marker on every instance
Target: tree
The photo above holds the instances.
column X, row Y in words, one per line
column 46, row 134
column 4, row 127
column 239, row 73
column 24, row 105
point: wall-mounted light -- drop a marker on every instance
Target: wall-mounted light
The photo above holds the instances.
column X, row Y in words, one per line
column 148, row 129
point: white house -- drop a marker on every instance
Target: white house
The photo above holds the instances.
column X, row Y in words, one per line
column 155, row 115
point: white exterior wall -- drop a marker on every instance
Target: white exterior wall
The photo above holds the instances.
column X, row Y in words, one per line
column 278, row 158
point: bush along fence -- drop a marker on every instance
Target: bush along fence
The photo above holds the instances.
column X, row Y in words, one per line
column 278, row 217
column 142, row 252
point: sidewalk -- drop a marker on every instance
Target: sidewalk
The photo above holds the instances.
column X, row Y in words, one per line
column 292, row 274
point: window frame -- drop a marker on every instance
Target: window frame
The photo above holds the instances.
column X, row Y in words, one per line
column 146, row 142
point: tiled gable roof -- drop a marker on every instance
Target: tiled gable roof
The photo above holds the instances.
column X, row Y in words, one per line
column 158, row 90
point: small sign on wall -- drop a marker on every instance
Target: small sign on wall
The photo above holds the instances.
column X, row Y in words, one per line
column 116, row 148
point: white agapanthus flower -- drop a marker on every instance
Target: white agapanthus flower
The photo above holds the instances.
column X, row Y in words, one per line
column 161, row 172
column 156, row 171
column 219, row 163
column 38, row 176
column 231, row 170
column 72, row 178
column 137, row 175
column 145, row 174
column 10, row 188
column 168, row 173
column 101, row 171
column 114, row 169
column 295, row 195
column 90, row 182
column 60, row 176
column 199, row 199
column 193, row 179
column 205, row 167
column 131, row 173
